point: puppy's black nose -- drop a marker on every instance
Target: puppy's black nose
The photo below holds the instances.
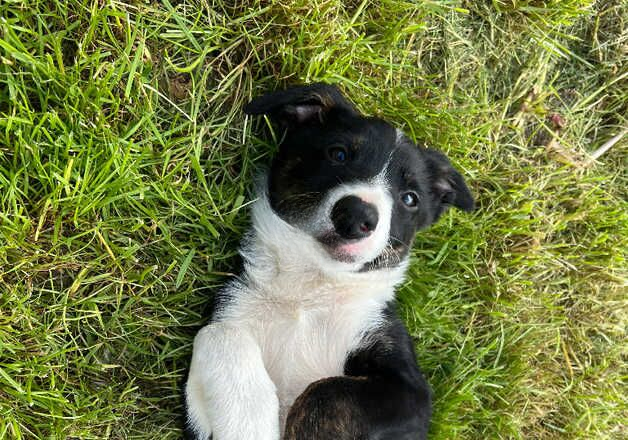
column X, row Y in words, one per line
column 354, row 218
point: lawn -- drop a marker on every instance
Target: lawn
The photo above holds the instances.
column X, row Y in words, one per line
column 125, row 174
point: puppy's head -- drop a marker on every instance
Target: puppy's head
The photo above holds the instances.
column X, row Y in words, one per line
column 355, row 184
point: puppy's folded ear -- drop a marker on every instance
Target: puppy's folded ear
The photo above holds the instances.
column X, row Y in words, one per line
column 295, row 106
column 447, row 185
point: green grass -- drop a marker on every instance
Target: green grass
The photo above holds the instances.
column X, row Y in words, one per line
column 126, row 166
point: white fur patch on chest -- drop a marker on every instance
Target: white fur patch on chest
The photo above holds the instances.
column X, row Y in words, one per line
column 306, row 328
column 310, row 344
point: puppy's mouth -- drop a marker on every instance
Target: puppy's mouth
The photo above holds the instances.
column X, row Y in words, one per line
column 343, row 249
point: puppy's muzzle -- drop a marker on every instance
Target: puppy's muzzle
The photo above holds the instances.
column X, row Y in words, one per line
column 354, row 218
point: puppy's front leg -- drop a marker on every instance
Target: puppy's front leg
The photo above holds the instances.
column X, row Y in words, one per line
column 229, row 393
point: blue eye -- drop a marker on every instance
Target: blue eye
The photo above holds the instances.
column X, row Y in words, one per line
column 410, row 199
column 337, row 154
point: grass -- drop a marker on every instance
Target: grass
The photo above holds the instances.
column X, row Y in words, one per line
column 126, row 166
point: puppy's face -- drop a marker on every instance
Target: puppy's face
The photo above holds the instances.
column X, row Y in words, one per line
column 355, row 184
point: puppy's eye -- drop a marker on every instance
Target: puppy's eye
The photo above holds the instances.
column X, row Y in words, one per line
column 410, row 199
column 337, row 154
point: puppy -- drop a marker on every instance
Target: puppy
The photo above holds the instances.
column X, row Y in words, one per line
column 306, row 344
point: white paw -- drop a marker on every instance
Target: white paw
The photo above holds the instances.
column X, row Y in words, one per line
column 228, row 391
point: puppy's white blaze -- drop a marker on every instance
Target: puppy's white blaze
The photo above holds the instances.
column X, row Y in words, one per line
column 374, row 192
column 229, row 393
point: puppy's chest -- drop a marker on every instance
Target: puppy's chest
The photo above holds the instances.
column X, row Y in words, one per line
column 309, row 339
column 308, row 343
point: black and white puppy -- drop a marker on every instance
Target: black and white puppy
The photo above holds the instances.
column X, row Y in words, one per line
column 305, row 344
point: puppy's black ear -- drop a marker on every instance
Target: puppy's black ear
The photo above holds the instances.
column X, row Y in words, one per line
column 300, row 105
column 447, row 185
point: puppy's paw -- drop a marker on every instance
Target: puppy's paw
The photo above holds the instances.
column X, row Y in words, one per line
column 228, row 392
